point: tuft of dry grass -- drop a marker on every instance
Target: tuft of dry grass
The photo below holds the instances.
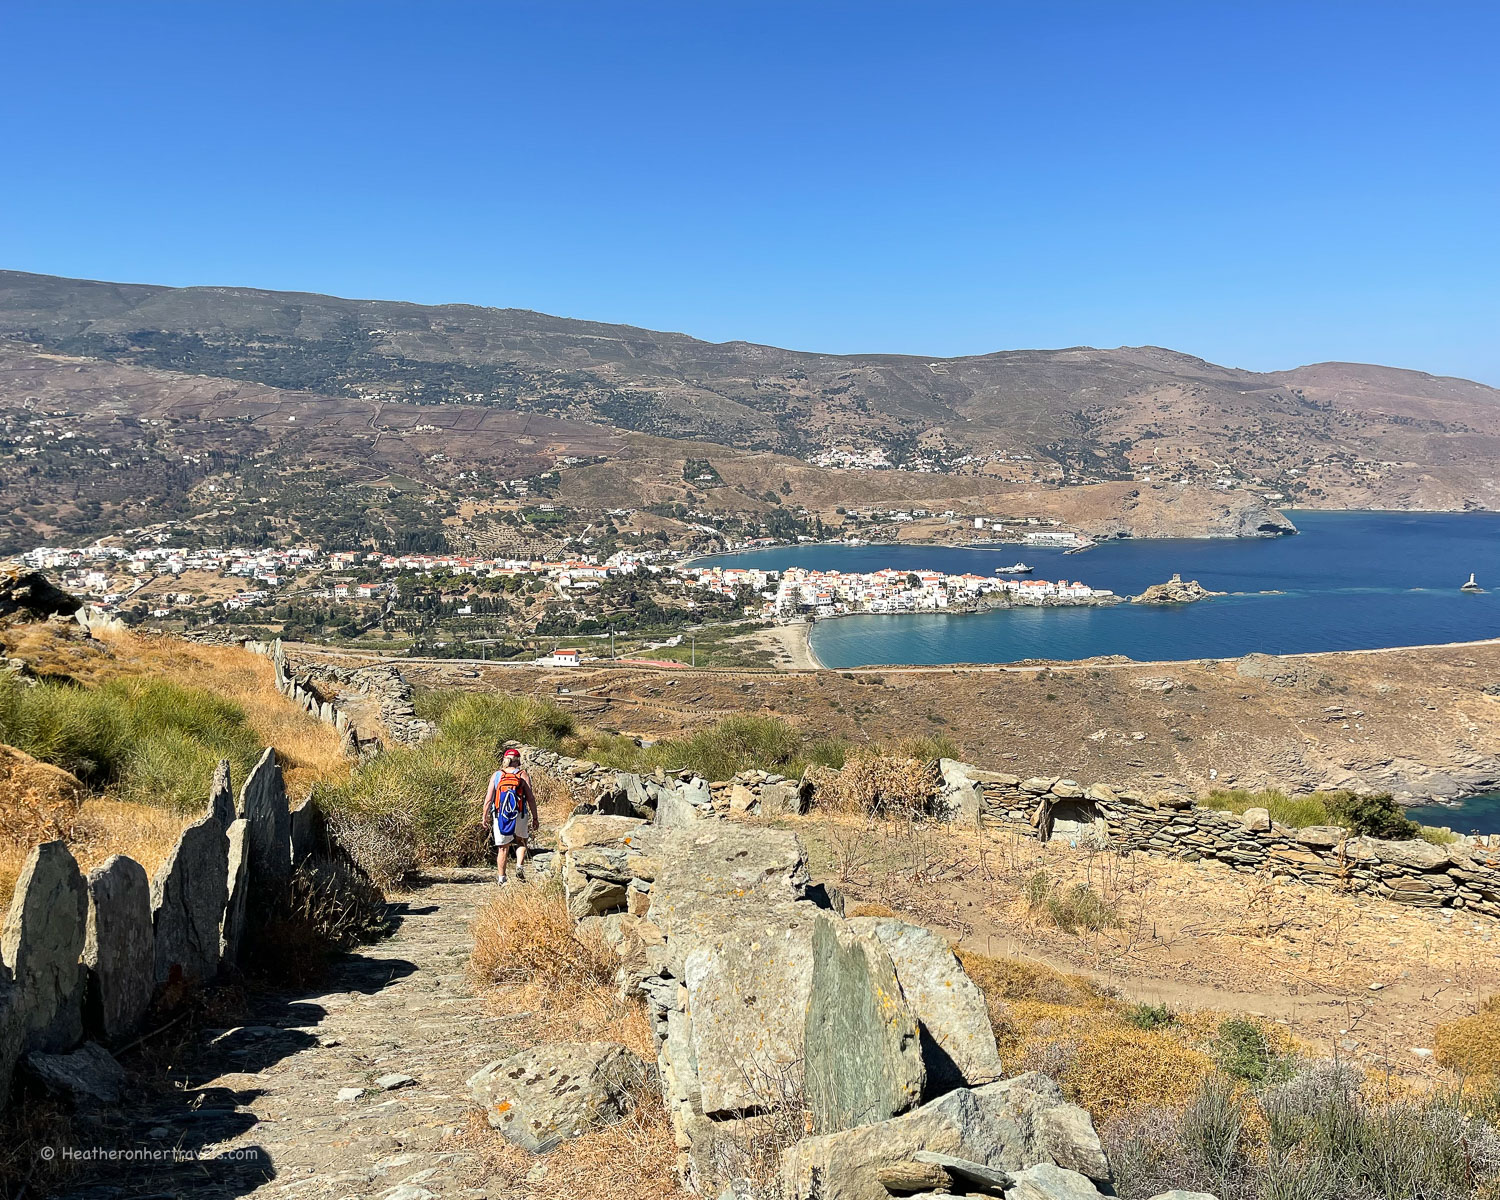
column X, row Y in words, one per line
column 1471, row 1045
column 633, row 1159
column 1084, row 1036
column 531, row 960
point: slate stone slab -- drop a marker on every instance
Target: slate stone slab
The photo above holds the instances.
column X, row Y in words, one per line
column 232, row 930
column 958, row 1041
column 263, row 806
column 541, row 1097
column 221, row 795
column 119, row 949
column 187, row 903
column 863, row 1047
column 749, row 977
column 306, row 831
column 1009, row 1125
column 42, row 945
column 88, row 1074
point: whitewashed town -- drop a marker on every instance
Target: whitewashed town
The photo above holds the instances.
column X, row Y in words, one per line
column 112, row 575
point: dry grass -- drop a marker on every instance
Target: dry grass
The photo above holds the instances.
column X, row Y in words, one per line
column 633, row 1159
column 39, row 802
column 557, row 982
column 1471, row 1045
column 557, row 979
column 1073, row 1029
column 309, row 750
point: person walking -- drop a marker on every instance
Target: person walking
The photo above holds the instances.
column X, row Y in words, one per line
column 510, row 812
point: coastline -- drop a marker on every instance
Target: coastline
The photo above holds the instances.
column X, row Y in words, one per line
column 795, row 641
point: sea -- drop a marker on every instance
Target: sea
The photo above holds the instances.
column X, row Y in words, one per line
column 1346, row 581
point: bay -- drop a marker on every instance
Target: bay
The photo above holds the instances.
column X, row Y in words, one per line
column 1347, row 581
column 1474, row 814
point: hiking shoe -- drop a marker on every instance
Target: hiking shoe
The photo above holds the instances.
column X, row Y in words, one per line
column 502, row 881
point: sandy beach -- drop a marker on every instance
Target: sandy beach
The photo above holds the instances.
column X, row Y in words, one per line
column 792, row 645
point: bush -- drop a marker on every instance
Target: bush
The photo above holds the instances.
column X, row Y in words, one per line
column 881, row 785
column 330, row 906
column 1151, row 1016
column 1376, row 815
column 1245, row 1051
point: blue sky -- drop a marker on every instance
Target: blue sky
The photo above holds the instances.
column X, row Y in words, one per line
column 1261, row 184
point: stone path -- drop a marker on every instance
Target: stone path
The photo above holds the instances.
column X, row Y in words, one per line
column 256, row 1110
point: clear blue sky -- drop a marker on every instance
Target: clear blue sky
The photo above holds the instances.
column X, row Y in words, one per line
column 1259, row 183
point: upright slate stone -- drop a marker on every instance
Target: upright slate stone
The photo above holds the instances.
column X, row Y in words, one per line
column 306, row 831
column 221, row 795
column 232, row 932
column 119, row 949
column 863, row 1047
column 43, row 940
column 187, row 903
column 263, row 807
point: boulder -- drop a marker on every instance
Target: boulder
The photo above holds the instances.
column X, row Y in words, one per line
column 637, row 795
column 232, row 930
column 960, row 793
column 42, row 945
column 119, row 949
column 1044, row 1181
column 742, row 800
column 748, row 981
column 724, row 859
column 1067, row 789
column 590, row 830
column 539, row 1098
column 263, row 806
column 1010, row 1125
column 958, row 1042
column 594, row 896
column 221, row 795
column 1038, row 786
column 187, row 903
column 1256, row 820
column 863, row 1054
column 87, row 1075
column 684, row 805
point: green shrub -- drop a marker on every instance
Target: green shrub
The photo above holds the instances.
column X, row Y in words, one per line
column 1374, row 815
column 1151, row 1016
column 148, row 740
column 1243, row 1050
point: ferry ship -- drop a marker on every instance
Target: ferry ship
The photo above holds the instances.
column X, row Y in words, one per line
column 1019, row 568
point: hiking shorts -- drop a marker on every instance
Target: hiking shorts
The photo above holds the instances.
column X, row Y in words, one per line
column 518, row 836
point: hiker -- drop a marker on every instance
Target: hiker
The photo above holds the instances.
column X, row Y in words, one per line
column 510, row 812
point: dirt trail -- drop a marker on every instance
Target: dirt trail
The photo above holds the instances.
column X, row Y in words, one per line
column 255, row 1110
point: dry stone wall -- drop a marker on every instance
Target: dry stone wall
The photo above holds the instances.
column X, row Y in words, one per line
column 1462, row 875
column 85, row 957
column 317, row 691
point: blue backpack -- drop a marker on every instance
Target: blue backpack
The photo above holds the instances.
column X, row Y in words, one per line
column 505, row 791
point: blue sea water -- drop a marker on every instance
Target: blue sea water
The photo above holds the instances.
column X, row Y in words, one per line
column 1474, row 814
column 1348, row 581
